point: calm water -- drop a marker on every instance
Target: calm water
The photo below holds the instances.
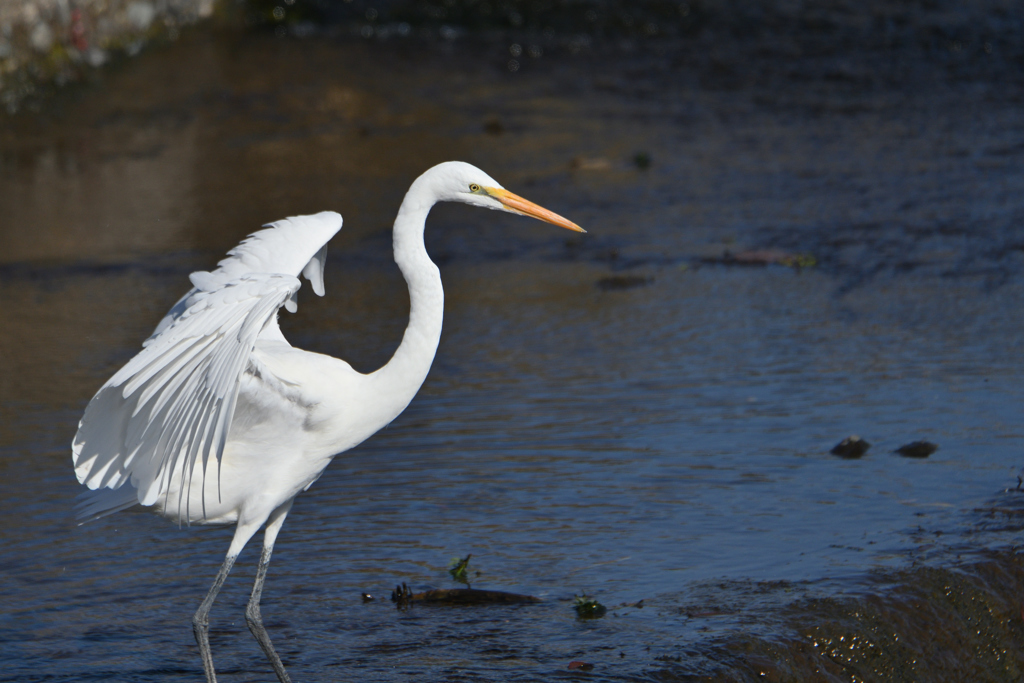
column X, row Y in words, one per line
column 649, row 438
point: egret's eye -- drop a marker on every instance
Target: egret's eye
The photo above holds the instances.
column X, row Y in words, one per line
column 474, row 187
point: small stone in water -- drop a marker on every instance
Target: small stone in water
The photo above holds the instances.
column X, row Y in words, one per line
column 577, row 665
column 917, row 449
column 851, row 447
column 492, row 126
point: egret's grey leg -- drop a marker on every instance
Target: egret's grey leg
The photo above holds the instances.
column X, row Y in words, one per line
column 201, row 619
column 252, row 611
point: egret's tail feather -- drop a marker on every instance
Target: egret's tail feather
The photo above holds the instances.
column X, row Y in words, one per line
column 93, row 505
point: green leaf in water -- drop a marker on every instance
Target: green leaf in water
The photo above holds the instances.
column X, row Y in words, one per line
column 458, row 568
column 587, row 607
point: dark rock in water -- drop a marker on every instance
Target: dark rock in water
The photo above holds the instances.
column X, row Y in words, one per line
column 917, row 449
column 403, row 596
column 851, row 447
column 470, row 596
column 623, row 282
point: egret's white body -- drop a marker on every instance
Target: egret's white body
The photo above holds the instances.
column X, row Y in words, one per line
column 219, row 420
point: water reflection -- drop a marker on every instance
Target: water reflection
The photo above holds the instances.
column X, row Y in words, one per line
column 642, row 442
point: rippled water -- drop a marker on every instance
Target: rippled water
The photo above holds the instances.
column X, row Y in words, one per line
column 623, row 413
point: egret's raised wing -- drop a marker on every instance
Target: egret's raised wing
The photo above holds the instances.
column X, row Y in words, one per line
column 172, row 403
column 291, row 246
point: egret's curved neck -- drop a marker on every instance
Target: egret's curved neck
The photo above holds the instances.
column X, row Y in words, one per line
column 400, row 379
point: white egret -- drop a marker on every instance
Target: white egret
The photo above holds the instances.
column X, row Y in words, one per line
column 219, row 420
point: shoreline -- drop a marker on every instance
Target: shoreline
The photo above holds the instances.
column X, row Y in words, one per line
column 46, row 43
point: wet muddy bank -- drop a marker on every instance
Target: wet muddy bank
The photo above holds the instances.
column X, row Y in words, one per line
column 952, row 615
column 925, row 624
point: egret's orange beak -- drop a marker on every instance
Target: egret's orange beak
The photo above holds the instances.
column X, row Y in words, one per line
column 514, row 202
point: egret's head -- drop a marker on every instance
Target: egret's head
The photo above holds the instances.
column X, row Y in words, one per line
column 458, row 181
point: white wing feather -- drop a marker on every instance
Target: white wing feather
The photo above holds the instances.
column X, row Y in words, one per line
column 291, row 246
column 172, row 404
